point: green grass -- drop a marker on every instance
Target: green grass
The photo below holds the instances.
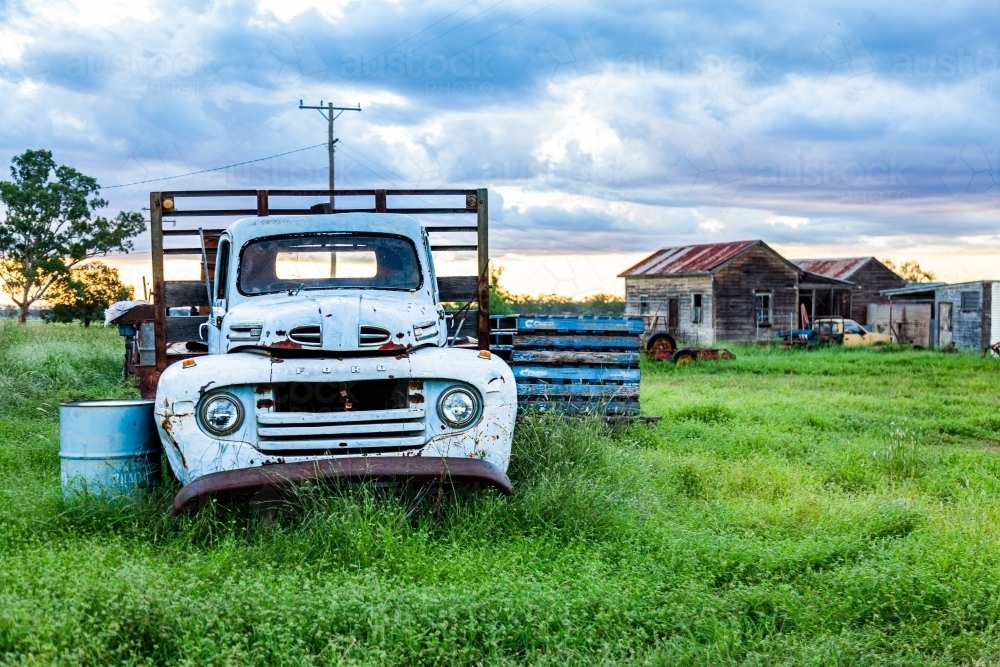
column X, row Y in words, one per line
column 805, row 507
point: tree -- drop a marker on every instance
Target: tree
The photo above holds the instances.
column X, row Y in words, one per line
column 50, row 226
column 85, row 292
column 911, row 271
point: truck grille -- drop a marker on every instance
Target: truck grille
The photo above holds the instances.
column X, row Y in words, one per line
column 317, row 418
column 310, row 334
column 373, row 335
column 305, row 433
column 245, row 330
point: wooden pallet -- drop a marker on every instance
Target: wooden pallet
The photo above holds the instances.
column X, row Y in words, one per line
column 572, row 365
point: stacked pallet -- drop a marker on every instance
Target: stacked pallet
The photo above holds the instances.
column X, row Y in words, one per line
column 572, row 365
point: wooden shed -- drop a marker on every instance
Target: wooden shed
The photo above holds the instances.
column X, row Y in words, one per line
column 703, row 294
column 869, row 277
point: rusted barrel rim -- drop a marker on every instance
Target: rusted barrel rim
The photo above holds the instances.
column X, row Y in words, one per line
column 246, row 481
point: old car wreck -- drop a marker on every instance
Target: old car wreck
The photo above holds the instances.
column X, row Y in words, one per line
column 320, row 349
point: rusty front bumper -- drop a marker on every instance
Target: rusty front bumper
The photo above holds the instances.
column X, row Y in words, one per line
column 247, row 481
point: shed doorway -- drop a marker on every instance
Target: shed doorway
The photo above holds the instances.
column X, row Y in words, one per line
column 945, row 337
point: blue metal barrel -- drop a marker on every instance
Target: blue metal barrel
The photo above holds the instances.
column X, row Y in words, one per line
column 108, row 447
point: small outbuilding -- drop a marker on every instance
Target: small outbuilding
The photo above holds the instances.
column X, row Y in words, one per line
column 963, row 315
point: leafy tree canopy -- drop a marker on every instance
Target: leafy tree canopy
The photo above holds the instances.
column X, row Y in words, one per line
column 504, row 302
column 911, row 271
column 50, row 226
column 85, row 293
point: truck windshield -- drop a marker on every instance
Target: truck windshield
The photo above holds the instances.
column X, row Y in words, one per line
column 325, row 261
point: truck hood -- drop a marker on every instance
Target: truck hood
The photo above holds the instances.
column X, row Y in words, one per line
column 347, row 321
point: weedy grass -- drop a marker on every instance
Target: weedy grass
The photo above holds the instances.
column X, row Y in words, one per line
column 792, row 507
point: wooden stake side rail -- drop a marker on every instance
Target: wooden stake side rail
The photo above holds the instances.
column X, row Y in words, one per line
column 451, row 289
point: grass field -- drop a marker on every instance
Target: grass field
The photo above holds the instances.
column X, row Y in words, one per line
column 826, row 507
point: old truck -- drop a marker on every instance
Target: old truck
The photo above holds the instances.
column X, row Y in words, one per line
column 834, row 331
column 321, row 348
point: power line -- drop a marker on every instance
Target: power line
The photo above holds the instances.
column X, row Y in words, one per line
column 204, row 171
column 331, row 142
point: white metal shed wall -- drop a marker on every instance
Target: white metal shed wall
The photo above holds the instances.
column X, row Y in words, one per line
column 995, row 315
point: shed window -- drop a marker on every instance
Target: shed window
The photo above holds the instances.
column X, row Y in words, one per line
column 696, row 309
column 971, row 301
column 762, row 308
column 644, row 304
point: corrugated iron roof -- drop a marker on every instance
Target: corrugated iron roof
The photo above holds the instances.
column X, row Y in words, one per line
column 689, row 259
column 841, row 269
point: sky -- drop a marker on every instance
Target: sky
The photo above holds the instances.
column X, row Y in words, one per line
column 604, row 131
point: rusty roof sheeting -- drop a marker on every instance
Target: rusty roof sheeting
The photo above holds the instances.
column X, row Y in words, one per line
column 684, row 260
column 842, row 269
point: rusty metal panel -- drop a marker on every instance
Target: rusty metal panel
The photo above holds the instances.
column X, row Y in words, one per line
column 689, row 259
column 841, row 269
column 247, row 481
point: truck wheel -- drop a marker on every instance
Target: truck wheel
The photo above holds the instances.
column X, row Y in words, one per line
column 661, row 345
column 684, row 357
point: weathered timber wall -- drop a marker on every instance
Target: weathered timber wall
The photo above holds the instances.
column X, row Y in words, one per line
column 911, row 322
column 870, row 279
column 660, row 290
column 758, row 270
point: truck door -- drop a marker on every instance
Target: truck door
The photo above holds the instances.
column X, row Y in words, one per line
column 853, row 337
column 220, row 297
column 945, row 337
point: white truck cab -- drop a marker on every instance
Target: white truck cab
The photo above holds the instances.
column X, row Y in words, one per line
column 328, row 352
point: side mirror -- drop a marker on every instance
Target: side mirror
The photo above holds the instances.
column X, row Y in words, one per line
column 203, row 331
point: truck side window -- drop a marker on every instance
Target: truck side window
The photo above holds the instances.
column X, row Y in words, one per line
column 221, row 269
column 851, row 327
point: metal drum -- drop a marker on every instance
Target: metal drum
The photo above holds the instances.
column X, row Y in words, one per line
column 108, row 447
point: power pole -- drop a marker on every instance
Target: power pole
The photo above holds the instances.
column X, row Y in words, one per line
column 327, row 112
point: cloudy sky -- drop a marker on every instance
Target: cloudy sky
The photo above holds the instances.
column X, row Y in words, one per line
column 603, row 130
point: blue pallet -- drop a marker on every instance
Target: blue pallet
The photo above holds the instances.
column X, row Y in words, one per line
column 534, row 341
column 606, row 391
column 596, row 375
column 572, row 365
column 581, row 325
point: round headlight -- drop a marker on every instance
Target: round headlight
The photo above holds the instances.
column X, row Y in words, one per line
column 221, row 414
column 458, row 407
